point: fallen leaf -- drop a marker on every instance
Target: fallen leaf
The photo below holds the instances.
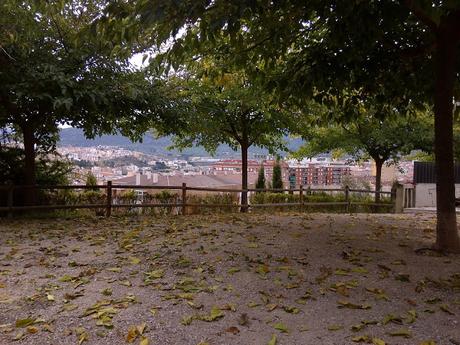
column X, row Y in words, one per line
column 361, row 339
column 401, row 333
column 412, row 316
column 291, row 310
column 334, row 327
column 133, row 260
column 233, row 270
column 82, row 335
column 233, row 330
column 32, row 329
column 187, row 320
column 378, row 341
column 243, row 320
column 107, row 292
column 281, row 327
column 403, row 277
column 445, row 308
column 392, row 318
column 132, row 334
column 144, row 341
column 347, row 304
column 141, row 328
column 21, row 323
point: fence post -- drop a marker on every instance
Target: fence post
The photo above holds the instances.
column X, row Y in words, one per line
column 399, row 198
column 347, row 197
column 109, row 199
column 184, row 198
column 301, row 196
column 10, row 200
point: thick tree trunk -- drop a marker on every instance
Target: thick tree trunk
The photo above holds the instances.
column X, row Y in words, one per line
column 378, row 178
column 244, row 176
column 446, row 231
column 29, row 166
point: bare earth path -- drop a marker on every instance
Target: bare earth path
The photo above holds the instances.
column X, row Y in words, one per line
column 228, row 279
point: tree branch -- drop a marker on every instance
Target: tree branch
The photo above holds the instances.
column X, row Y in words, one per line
column 418, row 51
column 58, row 28
column 420, row 14
column 7, row 54
column 233, row 131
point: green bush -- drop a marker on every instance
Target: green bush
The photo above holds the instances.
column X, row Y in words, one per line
column 277, row 180
column 260, row 184
column 214, row 198
column 127, row 197
column 317, row 197
column 273, row 198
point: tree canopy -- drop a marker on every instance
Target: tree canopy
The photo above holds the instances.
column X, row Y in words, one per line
column 224, row 107
column 54, row 71
column 405, row 52
column 371, row 134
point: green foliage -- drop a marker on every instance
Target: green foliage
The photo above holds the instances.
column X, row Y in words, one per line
column 93, row 197
column 127, row 197
column 212, row 198
column 50, row 170
column 165, row 196
column 273, row 198
column 277, row 180
column 54, row 70
column 291, row 55
column 91, row 180
column 321, row 197
column 373, row 133
column 378, row 131
column 260, row 184
column 224, row 107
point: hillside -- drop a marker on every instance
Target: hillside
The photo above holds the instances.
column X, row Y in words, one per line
column 150, row 145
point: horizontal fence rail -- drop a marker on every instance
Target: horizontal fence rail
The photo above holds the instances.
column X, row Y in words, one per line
column 112, row 201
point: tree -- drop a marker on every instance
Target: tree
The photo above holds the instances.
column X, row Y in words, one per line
column 49, row 170
column 260, row 184
column 277, row 180
column 53, row 71
column 409, row 55
column 91, row 180
column 409, row 51
column 382, row 137
column 226, row 108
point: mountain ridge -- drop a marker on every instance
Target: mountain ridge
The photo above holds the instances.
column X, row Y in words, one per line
column 154, row 146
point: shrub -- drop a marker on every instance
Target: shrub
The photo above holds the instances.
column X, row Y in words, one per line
column 277, row 181
column 127, row 197
column 260, row 184
column 91, row 180
column 214, row 198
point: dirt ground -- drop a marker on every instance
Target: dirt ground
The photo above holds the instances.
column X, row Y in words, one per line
column 285, row 278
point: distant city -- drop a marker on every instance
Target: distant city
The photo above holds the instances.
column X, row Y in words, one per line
column 126, row 164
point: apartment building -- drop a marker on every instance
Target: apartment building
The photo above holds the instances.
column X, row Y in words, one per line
column 318, row 174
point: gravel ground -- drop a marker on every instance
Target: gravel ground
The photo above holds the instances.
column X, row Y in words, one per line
column 284, row 278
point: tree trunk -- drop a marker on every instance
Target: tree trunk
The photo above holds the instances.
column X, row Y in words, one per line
column 29, row 164
column 244, row 176
column 446, row 230
column 378, row 178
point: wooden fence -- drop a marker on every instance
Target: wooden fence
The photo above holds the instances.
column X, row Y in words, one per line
column 182, row 204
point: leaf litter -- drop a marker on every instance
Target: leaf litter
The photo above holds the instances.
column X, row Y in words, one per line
column 256, row 279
